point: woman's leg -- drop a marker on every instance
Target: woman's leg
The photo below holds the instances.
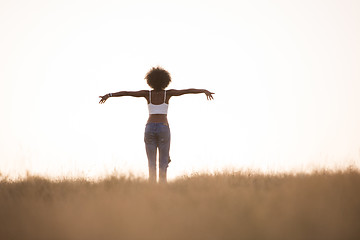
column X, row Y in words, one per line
column 151, row 148
column 164, row 149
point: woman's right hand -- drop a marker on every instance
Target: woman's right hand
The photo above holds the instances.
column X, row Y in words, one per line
column 209, row 95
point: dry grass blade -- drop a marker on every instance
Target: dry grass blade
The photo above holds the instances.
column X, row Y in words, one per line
column 222, row 206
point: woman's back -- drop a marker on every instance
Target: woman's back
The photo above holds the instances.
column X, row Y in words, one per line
column 161, row 108
column 158, row 97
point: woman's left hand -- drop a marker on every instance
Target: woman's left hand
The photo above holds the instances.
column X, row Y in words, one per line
column 104, row 98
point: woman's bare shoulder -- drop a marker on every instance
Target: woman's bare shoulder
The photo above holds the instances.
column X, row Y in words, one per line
column 175, row 92
column 140, row 93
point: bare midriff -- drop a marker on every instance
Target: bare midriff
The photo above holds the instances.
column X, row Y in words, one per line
column 158, row 118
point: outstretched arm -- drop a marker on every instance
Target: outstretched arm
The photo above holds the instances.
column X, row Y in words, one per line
column 174, row 92
column 141, row 93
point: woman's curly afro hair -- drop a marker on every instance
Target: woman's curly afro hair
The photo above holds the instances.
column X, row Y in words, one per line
column 158, row 78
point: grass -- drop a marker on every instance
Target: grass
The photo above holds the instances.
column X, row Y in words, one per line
column 322, row 205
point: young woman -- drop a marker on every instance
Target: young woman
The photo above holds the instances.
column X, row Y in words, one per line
column 157, row 131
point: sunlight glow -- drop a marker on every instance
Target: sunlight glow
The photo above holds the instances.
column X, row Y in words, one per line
column 286, row 77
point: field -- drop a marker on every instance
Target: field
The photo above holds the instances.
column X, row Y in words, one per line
column 321, row 205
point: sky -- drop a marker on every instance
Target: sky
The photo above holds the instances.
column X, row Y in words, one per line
column 285, row 74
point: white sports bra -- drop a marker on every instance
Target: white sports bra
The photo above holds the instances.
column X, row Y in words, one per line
column 158, row 108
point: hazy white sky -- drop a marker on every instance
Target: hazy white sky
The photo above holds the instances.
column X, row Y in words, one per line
column 286, row 76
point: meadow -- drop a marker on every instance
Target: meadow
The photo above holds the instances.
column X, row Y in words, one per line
column 244, row 205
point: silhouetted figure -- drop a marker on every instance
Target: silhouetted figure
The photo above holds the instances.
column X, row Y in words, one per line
column 157, row 131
